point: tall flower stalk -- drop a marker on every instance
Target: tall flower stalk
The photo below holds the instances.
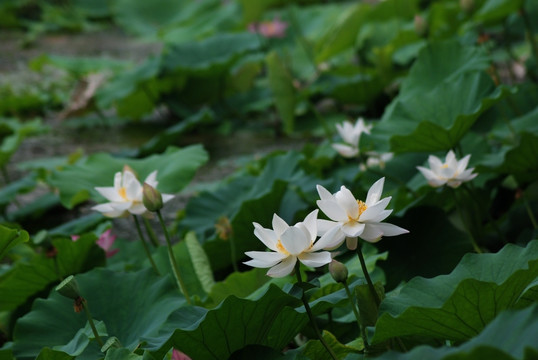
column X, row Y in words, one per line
column 145, row 245
column 153, row 201
column 309, row 313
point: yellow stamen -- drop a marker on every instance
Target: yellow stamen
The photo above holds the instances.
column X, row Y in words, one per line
column 123, row 193
column 281, row 248
column 362, row 206
column 444, row 166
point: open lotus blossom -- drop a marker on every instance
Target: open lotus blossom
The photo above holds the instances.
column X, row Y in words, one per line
column 292, row 243
column 351, row 135
column 355, row 218
column 451, row 172
column 126, row 195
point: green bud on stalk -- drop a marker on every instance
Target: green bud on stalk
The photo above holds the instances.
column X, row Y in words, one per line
column 152, row 198
column 338, row 271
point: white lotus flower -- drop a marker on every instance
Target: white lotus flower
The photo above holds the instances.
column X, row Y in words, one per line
column 291, row 243
column 355, row 218
column 126, row 195
column 451, row 172
column 350, row 134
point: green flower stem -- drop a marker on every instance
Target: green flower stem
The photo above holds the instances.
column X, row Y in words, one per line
column 173, row 263
column 92, row 324
column 472, row 192
column 150, row 232
column 362, row 330
column 367, row 275
column 460, row 212
column 530, row 212
column 309, row 313
column 143, row 241
column 232, row 254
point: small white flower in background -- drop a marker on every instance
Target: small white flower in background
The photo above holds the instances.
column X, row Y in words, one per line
column 351, row 135
column 355, row 218
column 291, row 243
column 376, row 159
column 451, row 172
column 125, row 197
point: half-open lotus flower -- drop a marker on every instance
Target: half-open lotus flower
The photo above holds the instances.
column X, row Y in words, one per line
column 350, row 134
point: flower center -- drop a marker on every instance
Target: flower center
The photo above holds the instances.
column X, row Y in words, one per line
column 281, row 248
column 362, row 207
column 444, row 166
column 123, row 193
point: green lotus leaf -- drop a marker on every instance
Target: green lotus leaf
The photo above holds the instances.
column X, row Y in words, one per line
column 210, row 56
column 10, row 238
column 131, row 305
column 522, row 160
column 445, row 92
column 215, row 334
column 284, row 93
column 13, row 132
column 511, row 335
column 26, row 279
column 176, row 167
column 458, row 306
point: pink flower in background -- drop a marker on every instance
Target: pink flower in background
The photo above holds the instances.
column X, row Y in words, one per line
column 105, row 242
column 270, row 29
column 178, row 355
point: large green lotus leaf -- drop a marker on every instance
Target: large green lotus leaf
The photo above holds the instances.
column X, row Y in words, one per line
column 432, row 247
column 342, row 33
column 10, row 238
column 522, row 160
column 10, row 191
column 215, row 334
column 50, row 354
column 439, row 118
column 127, row 82
column 26, row 279
column 494, row 11
column 176, row 167
column 13, row 132
column 459, row 305
column 146, row 18
column 284, row 93
column 210, row 56
column 511, row 335
column 132, row 305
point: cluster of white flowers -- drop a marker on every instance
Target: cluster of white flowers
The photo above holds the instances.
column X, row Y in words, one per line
column 349, row 218
column 351, row 134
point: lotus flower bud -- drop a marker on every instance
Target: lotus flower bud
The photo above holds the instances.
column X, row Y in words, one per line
column 338, row 271
column 69, row 288
column 152, row 198
column 421, row 26
column 467, row 5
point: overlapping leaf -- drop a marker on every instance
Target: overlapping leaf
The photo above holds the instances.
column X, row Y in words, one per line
column 458, row 306
column 215, row 334
column 10, row 238
column 131, row 305
column 176, row 167
column 26, row 279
